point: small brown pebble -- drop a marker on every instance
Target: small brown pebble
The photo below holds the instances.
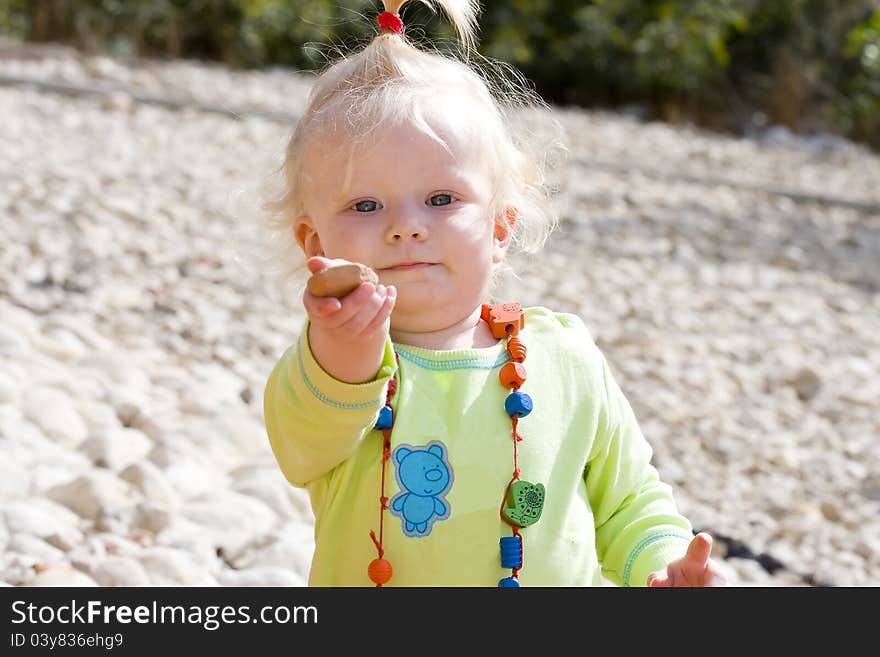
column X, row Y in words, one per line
column 339, row 280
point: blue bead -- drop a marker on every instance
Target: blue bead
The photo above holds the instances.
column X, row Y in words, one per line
column 511, row 552
column 385, row 418
column 518, row 403
column 509, row 583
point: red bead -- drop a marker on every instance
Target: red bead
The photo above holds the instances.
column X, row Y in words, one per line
column 516, row 349
column 389, row 21
column 379, row 571
column 512, row 375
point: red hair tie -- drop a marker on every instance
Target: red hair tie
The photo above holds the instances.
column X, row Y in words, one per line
column 389, row 21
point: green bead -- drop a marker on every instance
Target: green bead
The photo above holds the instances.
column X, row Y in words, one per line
column 524, row 503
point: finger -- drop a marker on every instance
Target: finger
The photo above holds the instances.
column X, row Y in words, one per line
column 714, row 575
column 352, row 304
column 384, row 312
column 363, row 318
column 317, row 263
column 659, row 579
column 326, row 308
column 716, row 580
column 699, row 550
column 330, row 312
column 317, row 307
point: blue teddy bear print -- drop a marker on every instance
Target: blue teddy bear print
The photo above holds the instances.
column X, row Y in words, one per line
column 424, row 476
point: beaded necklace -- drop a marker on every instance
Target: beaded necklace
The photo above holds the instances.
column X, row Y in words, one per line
column 523, row 502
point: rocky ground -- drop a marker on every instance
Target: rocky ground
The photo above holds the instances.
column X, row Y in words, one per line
column 739, row 315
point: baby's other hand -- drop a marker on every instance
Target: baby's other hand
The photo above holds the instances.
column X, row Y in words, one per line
column 358, row 315
column 695, row 568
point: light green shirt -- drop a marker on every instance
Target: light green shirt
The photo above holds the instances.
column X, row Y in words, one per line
column 604, row 501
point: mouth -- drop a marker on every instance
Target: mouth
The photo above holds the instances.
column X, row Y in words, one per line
column 406, row 266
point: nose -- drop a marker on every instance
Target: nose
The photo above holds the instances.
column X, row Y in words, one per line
column 418, row 236
column 406, row 224
column 433, row 474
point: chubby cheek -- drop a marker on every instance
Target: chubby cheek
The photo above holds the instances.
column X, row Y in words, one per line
column 346, row 243
column 471, row 233
column 476, row 252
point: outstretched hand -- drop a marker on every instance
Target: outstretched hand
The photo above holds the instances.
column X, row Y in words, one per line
column 695, row 568
column 363, row 313
column 347, row 336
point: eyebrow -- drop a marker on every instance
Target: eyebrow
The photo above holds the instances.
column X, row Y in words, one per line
column 459, row 179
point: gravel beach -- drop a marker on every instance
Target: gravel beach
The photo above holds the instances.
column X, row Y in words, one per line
column 733, row 284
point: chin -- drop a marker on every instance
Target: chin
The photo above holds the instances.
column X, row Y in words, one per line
column 410, row 301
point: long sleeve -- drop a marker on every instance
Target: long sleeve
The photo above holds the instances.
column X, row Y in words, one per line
column 638, row 526
column 606, row 510
column 315, row 422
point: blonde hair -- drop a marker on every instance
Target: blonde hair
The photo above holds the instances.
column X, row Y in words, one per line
column 392, row 81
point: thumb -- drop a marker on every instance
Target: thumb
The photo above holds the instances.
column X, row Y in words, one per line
column 699, row 549
column 317, row 263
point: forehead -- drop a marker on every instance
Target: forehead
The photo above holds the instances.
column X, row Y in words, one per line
column 442, row 137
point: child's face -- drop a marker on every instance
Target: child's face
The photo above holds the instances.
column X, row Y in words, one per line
column 417, row 215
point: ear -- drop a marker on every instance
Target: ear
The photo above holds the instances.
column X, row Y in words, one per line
column 307, row 237
column 436, row 450
column 503, row 231
column 401, row 453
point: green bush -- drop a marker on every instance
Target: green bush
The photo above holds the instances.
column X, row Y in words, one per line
column 856, row 105
column 808, row 64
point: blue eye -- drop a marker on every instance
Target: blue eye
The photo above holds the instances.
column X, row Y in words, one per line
column 366, row 206
column 440, row 199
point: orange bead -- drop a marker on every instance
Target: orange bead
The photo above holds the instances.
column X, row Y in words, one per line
column 503, row 318
column 512, row 375
column 516, row 349
column 379, row 571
